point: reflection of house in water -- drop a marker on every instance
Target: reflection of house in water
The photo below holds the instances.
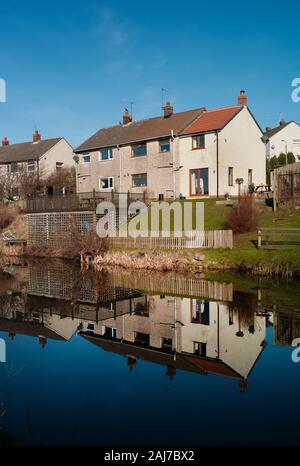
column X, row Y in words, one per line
column 183, row 333
column 59, row 298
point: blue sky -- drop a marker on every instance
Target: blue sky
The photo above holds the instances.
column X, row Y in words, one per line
column 72, row 66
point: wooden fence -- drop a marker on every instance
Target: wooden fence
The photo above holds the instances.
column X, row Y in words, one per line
column 78, row 202
column 200, row 239
column 278, row 238
column 174, row 285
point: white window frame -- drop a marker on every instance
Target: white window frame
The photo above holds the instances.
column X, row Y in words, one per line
column 106, row 178
column 86, row 155
column 100, row 154
column 31, row 164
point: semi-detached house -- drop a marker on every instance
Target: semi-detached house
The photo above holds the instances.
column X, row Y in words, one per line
column 193, row 153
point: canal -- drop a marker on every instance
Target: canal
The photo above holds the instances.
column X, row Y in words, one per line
column 121, row 357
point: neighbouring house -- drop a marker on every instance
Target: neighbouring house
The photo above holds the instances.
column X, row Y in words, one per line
column 191, row 153
column 40, row 157
column 283, row 139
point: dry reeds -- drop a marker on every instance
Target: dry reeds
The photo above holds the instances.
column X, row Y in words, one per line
column 141, row 261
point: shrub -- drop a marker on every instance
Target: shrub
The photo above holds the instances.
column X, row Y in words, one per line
column 245, row 216
column 6, row 217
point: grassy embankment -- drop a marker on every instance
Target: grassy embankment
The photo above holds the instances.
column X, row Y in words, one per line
column 244, row 255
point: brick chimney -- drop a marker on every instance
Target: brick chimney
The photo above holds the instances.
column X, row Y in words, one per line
column 168, row 110
column 36, row 137
column 127, row 118
column 242, row 99
column 5, row 142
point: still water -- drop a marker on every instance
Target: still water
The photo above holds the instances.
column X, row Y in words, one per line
column 126, row 358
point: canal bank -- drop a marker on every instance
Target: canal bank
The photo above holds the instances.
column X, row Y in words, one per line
column 282, row 260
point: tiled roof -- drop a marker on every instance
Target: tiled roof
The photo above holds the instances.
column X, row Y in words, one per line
column 26, row 151
column 142, row 130
column 276, row 130
column 183, row 361
column 212, row 120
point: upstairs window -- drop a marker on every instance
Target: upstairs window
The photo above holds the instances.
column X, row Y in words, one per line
column 139, row 180
column 106, row 154
column 198, row 142
column 86, row 158
column 139, row 149
column 59, row 166
column 164, row 145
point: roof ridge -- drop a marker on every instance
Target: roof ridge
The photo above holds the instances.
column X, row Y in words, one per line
column 30, row 142
column 223, row 108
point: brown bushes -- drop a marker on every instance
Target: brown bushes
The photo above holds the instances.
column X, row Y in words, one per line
column 76, row 244
column 244, row 217
column 6, row 217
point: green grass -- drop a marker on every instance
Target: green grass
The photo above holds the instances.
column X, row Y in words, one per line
column 245, row 252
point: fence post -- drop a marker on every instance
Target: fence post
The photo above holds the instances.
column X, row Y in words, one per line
column 259, row 239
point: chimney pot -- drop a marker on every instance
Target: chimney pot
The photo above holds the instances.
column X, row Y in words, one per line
column 242, row 99
column 5, row 142
column 127, row 118
column 168, row 110
column 36, row 136
column 268, row 128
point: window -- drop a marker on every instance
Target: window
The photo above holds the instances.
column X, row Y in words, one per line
column 139, row 149
column 14, row 167
column 86, row 158
column 139, row 180
column 106, row 154
column 110, row 332
column 59, row 166
column 166, row 343
column 230, row 176
column 200, row 311
column 141, row 307
column 200, row 349
column 90, row 327
column 199, row 182
column 164, row 146
column 250, row 176
column 107, row 183
column 142, row 338
column 31, row 166
column 198, row 142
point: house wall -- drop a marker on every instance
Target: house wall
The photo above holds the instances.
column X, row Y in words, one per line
column 240, row 147
column 159, row 179
column 62, row 152
column 220, row 336
column 290, row 133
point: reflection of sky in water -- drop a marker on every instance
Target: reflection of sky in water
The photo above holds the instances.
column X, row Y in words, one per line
column 75, row 392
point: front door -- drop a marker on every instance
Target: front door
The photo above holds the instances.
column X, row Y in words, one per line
column 199, row 182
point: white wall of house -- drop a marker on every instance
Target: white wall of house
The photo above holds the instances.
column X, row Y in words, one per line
column 240, row 147
column 290, row 134
column 61, row 153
